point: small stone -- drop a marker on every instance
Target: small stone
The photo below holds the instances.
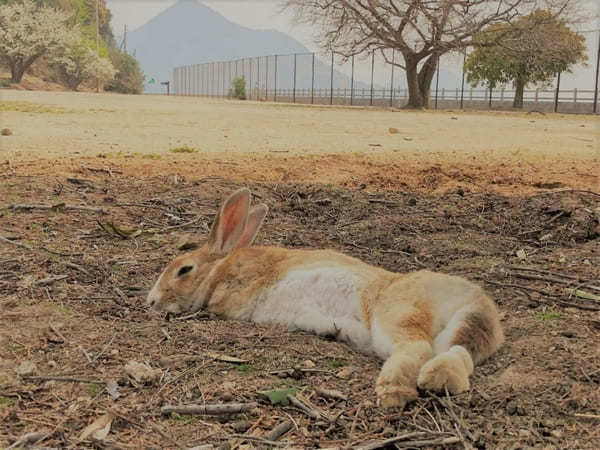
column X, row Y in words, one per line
column 556, row 433
column 114, row 351
column 142, row 373
column 6, row 132
column 546, row 237
column 389, row 431
column 227, row 396
column 242, row 426
column 26, row 368
column 521, row 254
column 308, row 363
column 52, row 364
column 228, row 386
column 511, row 408
column 394, row 130
column 346, row 372
column 525, row 434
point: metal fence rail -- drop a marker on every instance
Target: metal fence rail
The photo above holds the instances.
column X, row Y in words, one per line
column 304, row 78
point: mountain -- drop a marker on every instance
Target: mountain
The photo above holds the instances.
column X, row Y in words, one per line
column 189, row 32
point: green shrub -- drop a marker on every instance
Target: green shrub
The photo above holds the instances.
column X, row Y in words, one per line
column 238, row 88
column 129, row 78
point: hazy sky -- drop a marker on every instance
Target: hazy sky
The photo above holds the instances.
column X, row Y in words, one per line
column 266, row 14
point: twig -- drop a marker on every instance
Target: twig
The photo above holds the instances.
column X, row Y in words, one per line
column 582, row 294
column 18, row 244
column 62, row 378
column 383, row 443
column 549, row 272
column 169, row 438
column 279, row 431
column 28, row 439
column 588, row 416
column 554, row 298
column 526, row 276
column 100, row 169
column 209, row 410
column 259, row 439
column 329, row 393
column 384, row 202
column 309, row 411
column 428, row 443
column 57, row 207
column 77, row 267
column 50, row 280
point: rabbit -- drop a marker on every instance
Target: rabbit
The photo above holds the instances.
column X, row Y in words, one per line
column 430, row 328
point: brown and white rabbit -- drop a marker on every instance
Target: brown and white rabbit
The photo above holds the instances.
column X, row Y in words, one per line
column 430, row 328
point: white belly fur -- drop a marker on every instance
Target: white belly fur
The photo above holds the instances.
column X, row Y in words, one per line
column 322, row 300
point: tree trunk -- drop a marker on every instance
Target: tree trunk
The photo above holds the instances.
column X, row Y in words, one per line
column 419, row 82
column 19, row 67
column 519, row 90
column 16, row 73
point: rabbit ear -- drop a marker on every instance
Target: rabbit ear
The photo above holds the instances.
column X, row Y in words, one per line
column 230, row 222
column 256, row 216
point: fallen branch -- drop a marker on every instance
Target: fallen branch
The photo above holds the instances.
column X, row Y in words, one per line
column 582, row 294
column 279, row 431
column 18, row 244
column 553, row 297
column 549, row 272
column 309, row 411
column 100, row 169
column 385, row 442
column 57, row 207
column 50, row 280
column 328, row 393
column 61, row 378
column 77, row 267
column 209, row 410
column 28, row 439
column 428, row 443
column 259, row 439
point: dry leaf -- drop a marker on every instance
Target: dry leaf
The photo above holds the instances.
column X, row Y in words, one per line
column 141, row 372
column 98, row 429
column 225, row 358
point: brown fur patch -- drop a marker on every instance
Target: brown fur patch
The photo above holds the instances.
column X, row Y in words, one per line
column 418, row 324
column 478, row 334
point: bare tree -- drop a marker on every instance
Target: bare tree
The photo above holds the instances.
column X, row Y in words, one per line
column 421, row 30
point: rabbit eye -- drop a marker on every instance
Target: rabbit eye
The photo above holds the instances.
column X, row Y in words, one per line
column 184, row 270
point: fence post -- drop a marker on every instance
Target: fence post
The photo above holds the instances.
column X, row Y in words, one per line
column 537, row 95
column 462, row 84
column 443, row 93
column 575, row 96
column 258, row 79
column 294, row 94
column 312, row 86
column 491, row 94
column 351, row 84
column 595, row 107
column 392, row 80
column 267, row 79
column 437, row 82
column 471, row 94
column 250, row 83
column 557, row 92
column 331, row 90
column 275, row 83
column 502, row 94
column 372, row 75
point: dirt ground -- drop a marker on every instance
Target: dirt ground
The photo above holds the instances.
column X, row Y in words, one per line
column 506, row 202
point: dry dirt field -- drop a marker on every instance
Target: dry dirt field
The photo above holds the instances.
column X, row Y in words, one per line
column 94, row 202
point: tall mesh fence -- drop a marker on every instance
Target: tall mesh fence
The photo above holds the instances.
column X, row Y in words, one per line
column 373, row 80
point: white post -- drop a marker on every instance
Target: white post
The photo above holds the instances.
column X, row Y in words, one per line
column 575, row 96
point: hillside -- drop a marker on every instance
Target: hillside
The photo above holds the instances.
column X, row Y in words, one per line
column 190, row 32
